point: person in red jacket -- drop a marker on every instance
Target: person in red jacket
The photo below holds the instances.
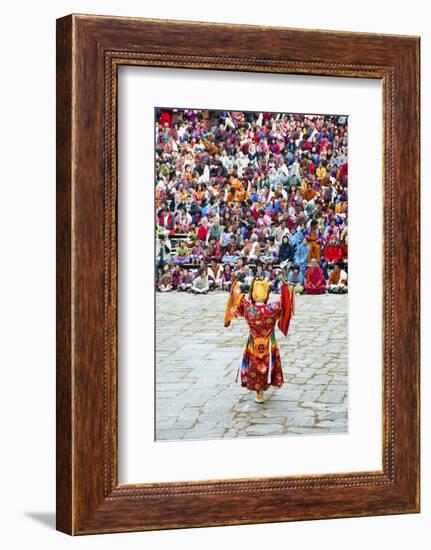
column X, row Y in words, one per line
column 203, row 229
column 165, row 219
column 331, row 256
column 165, row 119
column 343, row 172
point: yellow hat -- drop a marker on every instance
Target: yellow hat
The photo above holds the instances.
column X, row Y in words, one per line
column 260, row 290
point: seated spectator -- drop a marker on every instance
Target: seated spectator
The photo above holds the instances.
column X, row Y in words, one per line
column 296, row 237
column 185, row 280
column 345, row 253
column 301, row 255
column 331, row 255
column 314, row 241
column 248, row 278
column 332, row 230
column 309, row 193
column 260, row 271
column 203, row 230
column 200, row 285
column 214, row 250
column 176, row 277
column 183, row 220
column 182, row 255
column 191, row 237
column 215, row 231
column 252, row 250
column 275, row 284
column 227, row 278
column 270, row 272
column 296, row 279
column 314, row 279
column 286, row 252
column 239, row 235
column 337, row 282
column 272, row 249
column 215, row 275
column 166, row 219
column 239, row 266
column 281, row 231
column 232, row 253
column 226, row 238
column 321, row 171
column 197, row 253
column 165, row 283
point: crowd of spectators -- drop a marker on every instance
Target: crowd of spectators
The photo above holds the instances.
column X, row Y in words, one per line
column 247, row 193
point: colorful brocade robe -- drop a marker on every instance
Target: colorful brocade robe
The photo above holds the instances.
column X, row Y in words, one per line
column 261, row 363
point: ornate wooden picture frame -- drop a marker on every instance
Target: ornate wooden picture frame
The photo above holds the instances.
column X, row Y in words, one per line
column 89, row 51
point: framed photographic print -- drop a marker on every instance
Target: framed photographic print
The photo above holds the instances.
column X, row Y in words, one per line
column 237, row 274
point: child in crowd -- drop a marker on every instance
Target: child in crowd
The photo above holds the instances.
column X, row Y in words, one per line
column 182, row 255
column 176, row 277
column 227, row 278
column 197, row 253
column 185, row 280
column 165, row 283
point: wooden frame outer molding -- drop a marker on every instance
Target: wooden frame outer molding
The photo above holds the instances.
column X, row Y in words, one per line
column 89, row 51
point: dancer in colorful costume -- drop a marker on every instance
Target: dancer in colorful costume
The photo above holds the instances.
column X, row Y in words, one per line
column 261, row 363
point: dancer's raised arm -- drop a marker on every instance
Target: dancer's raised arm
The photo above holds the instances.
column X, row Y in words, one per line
column 234, row 306
column 287, row 302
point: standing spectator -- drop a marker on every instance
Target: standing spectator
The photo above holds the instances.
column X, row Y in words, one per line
column 163, row 251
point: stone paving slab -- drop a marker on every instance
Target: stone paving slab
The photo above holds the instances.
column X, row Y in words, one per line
column 197, row 361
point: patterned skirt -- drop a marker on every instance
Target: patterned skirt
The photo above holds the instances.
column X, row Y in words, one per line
column 261, row 364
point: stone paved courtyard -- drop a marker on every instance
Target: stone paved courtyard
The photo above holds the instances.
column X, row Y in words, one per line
column 197, row 360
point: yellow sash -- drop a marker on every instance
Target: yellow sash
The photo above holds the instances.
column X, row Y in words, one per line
column 260, row 347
